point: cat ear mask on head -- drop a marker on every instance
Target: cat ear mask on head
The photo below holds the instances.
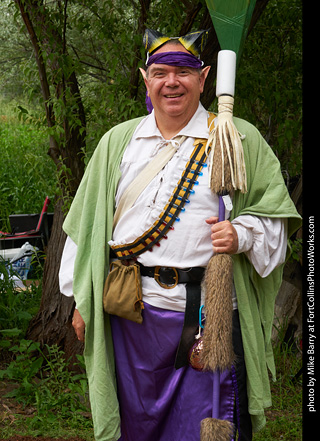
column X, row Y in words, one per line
column 193, row 42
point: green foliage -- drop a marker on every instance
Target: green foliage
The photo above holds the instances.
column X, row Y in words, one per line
column 14, row 54
column 17, row 306
column 284, row 418
column 269, row 81
column 44, row 383
column 27, row 175
column 296, row 249
column 38, row 379
column 44, row 379
column 104, row 47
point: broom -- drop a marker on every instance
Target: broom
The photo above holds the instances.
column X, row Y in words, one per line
column 226, row 174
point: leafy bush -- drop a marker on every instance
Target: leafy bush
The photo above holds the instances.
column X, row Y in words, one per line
column 44, row 380
column 45, row 385
column 17, row 306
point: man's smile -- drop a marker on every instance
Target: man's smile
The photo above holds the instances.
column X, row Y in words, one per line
column 173, row 95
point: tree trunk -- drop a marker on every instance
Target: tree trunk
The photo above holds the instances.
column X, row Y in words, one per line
column 52, row 324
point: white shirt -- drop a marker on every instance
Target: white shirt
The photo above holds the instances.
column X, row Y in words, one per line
column 189, row 244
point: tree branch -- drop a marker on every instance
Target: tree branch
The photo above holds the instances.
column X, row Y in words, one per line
column 40, row 62
column 134, row 75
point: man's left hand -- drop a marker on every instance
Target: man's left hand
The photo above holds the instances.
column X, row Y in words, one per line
column 224, row 236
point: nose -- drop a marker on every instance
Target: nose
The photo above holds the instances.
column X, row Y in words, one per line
column 172, row 80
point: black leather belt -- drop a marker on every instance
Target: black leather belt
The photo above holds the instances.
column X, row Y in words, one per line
column 168, row 278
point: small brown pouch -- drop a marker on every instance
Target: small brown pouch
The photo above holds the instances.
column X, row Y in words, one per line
column 122, row 294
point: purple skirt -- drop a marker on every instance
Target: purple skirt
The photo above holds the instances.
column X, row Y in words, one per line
column 158, row 402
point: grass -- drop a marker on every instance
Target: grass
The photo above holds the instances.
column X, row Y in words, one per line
column 27, row 174
column 284, row 418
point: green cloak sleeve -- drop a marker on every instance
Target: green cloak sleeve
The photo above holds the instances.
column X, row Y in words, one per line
column 89, row 224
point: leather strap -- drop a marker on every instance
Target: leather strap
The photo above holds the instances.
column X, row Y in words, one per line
column 167, row 275
column 172, row 209
column 190, row 325
column 137, row 186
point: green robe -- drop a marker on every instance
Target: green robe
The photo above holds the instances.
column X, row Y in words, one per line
column 89, row 224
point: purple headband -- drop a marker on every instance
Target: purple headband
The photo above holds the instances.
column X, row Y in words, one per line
column 173, row 59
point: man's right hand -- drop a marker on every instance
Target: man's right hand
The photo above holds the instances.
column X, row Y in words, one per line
column 78, row 325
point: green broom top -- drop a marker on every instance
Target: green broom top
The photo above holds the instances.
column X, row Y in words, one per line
column 231, row 20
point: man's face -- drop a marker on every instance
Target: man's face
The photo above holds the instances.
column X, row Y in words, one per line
column 174, row 91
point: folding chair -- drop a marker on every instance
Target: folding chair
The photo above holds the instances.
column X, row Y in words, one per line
column 37, row 236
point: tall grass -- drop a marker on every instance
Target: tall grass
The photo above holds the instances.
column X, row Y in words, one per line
column 27, row 174
column 284, row 418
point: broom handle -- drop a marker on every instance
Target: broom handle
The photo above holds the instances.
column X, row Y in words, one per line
column 216, row 395
column 222, row 209
column 216, row 376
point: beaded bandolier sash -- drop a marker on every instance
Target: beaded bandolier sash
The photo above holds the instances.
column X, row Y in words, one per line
column 174, row 206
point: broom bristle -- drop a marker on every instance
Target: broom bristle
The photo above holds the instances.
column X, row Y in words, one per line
column 220, row 168
column 217, row 353
column 213, row 429
column 227, row 169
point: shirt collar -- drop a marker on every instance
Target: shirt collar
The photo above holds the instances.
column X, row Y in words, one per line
column 197, row 127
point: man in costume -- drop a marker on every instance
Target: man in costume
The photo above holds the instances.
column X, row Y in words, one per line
column 139, row 391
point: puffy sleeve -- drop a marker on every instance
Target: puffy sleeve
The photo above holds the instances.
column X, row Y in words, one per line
column 67, row 267
column 263, row 240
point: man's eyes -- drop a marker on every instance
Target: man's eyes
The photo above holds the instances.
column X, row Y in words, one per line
column 161, row 74
column 158, row 74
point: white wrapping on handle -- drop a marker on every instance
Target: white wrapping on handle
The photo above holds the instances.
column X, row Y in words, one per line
column 226, row 73
column 225, row 137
